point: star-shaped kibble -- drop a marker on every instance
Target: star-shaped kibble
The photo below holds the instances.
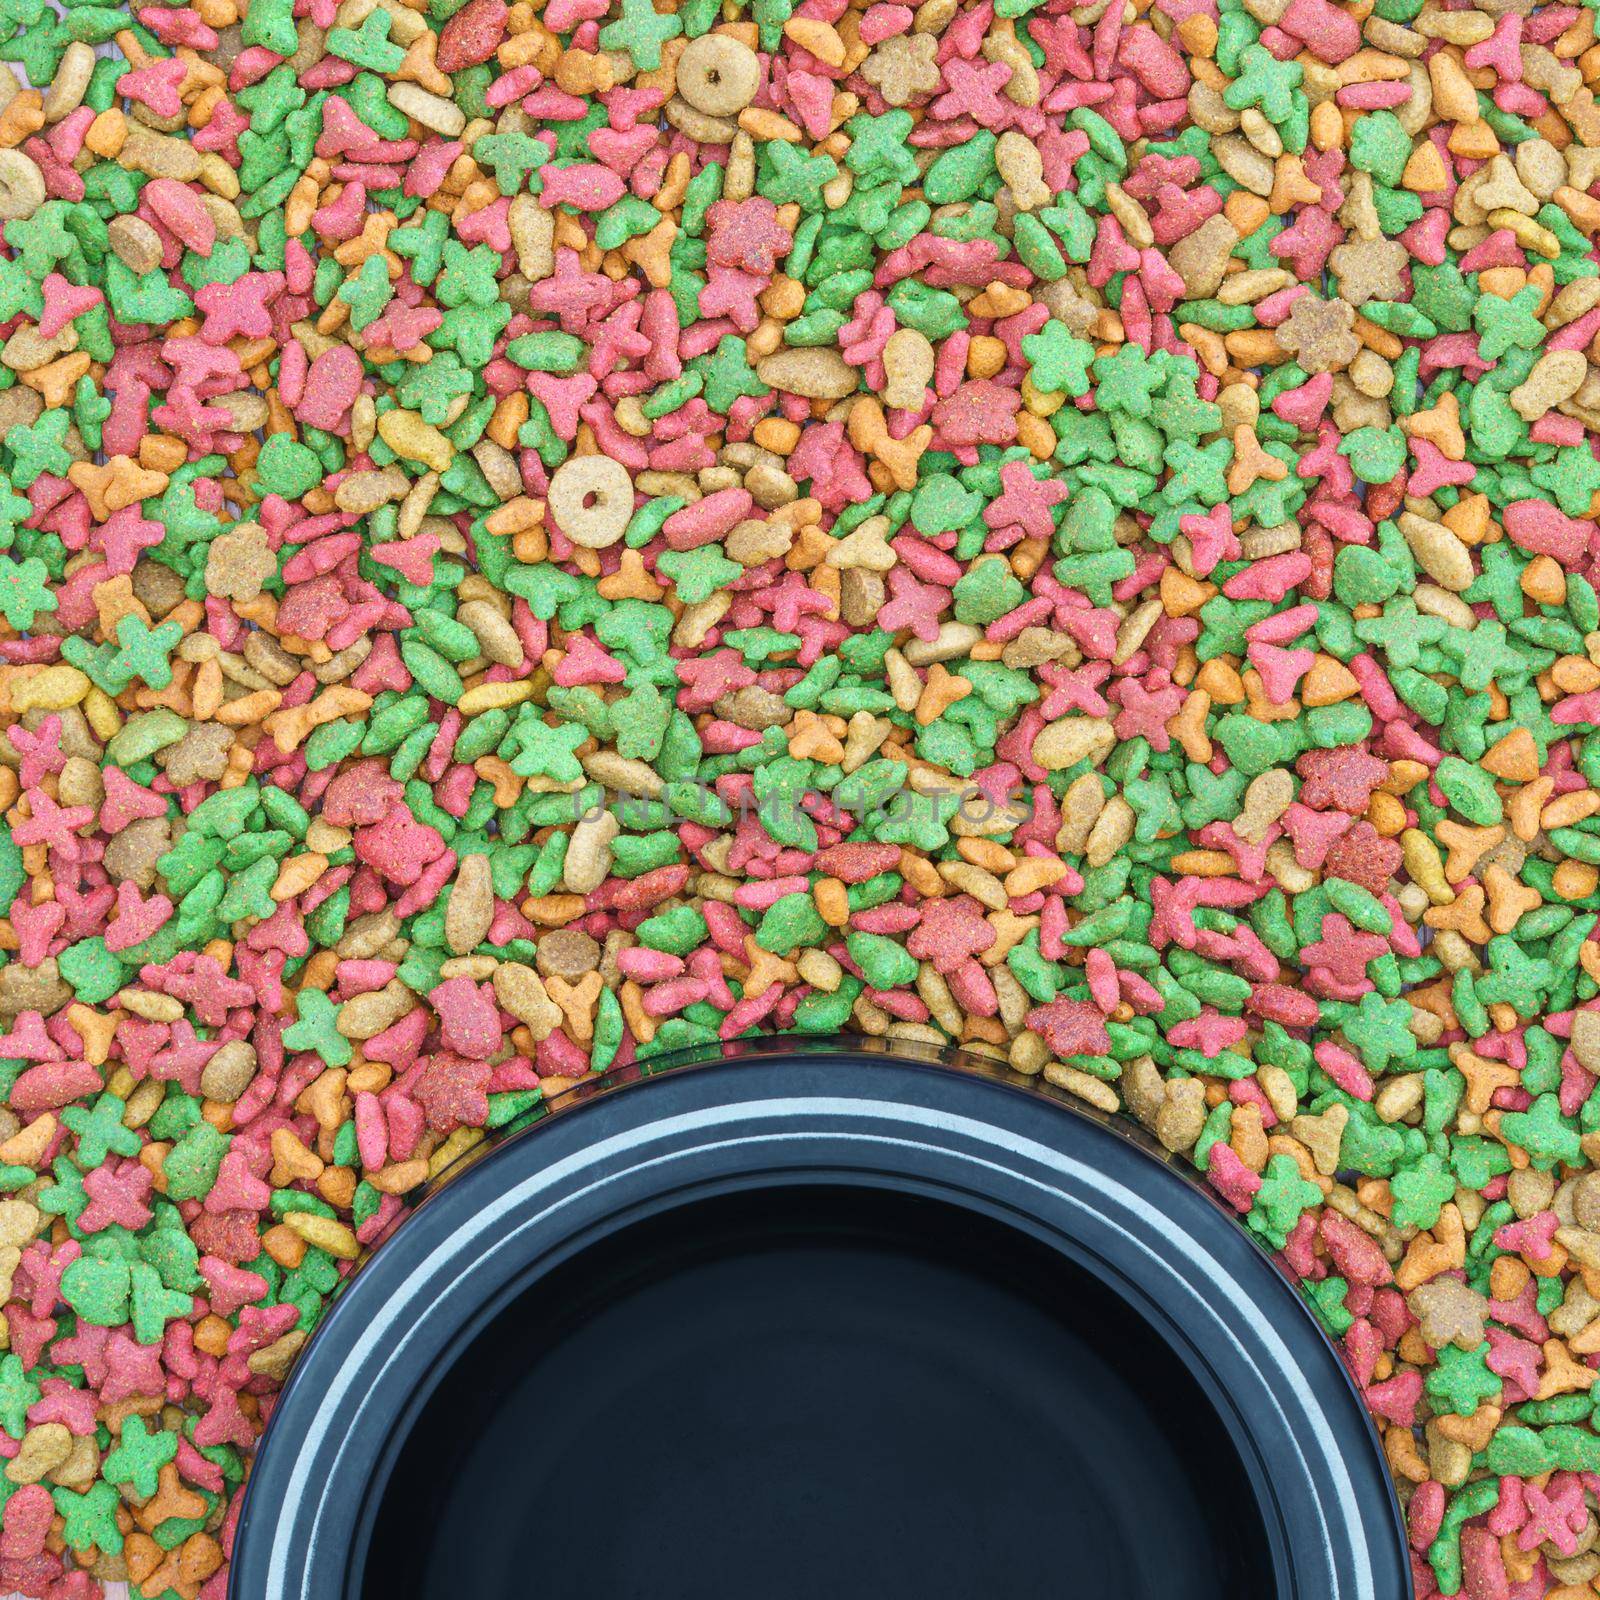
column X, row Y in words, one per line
column 1266, row 82
column 144, row 651
column 1127, row 381
column 24, row 591
column 139, row 1456
column 1059, row 359
column 641, row 30
column 317, row 1028
column 100, row 1130
column 788, row 175
column 1462, row 1381
column 548, row 752
column 1508, row 324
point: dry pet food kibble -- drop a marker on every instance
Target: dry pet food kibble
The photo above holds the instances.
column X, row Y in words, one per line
column 535, row 536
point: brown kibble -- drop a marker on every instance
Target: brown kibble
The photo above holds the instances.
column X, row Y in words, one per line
column 908, row 360
column 862, row 594
column 591, row 500
column 201, row 754
column 1022, row 168
column 132, row 853
column 522, row 992
column 1182, row 1116
column 470, row 908
column 1557, row 376
column 567, row 953
column 1201, row 258
column 136, row 244
column 1318, row 333
column 275, row 1359
column 817, row 373
column 904, row 67
column 1370, row 269
column 229, row 1072
column 44, row 1447
column 22, row 186
column 718, row 74
column 157, row 155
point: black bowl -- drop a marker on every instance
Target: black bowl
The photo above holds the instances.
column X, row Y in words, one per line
column 815, row 1322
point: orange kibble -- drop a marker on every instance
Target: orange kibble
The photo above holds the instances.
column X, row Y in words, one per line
column 1575, row 880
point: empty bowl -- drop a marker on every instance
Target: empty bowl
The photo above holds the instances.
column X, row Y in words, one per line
column 817, row 1320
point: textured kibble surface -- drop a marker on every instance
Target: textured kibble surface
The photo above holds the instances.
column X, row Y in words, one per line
column 534, row 536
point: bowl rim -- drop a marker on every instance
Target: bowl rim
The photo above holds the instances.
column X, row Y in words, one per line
column 778, row 1109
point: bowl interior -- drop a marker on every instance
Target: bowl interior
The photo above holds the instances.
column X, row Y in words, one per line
column 803, row 1391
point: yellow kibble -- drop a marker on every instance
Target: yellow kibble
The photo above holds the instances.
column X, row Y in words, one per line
column 102, row 713
column 325, row 1233
column 1422, row 862
column 1528, row 233
column 53, row 689
column 408, row 435
column 451, row 1151
column 492, row 696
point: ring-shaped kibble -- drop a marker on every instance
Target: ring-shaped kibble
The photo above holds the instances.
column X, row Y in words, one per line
column 591, row 500
column 718, row 74
column 22, row 186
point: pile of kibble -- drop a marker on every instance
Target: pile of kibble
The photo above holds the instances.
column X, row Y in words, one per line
column 538, row 536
